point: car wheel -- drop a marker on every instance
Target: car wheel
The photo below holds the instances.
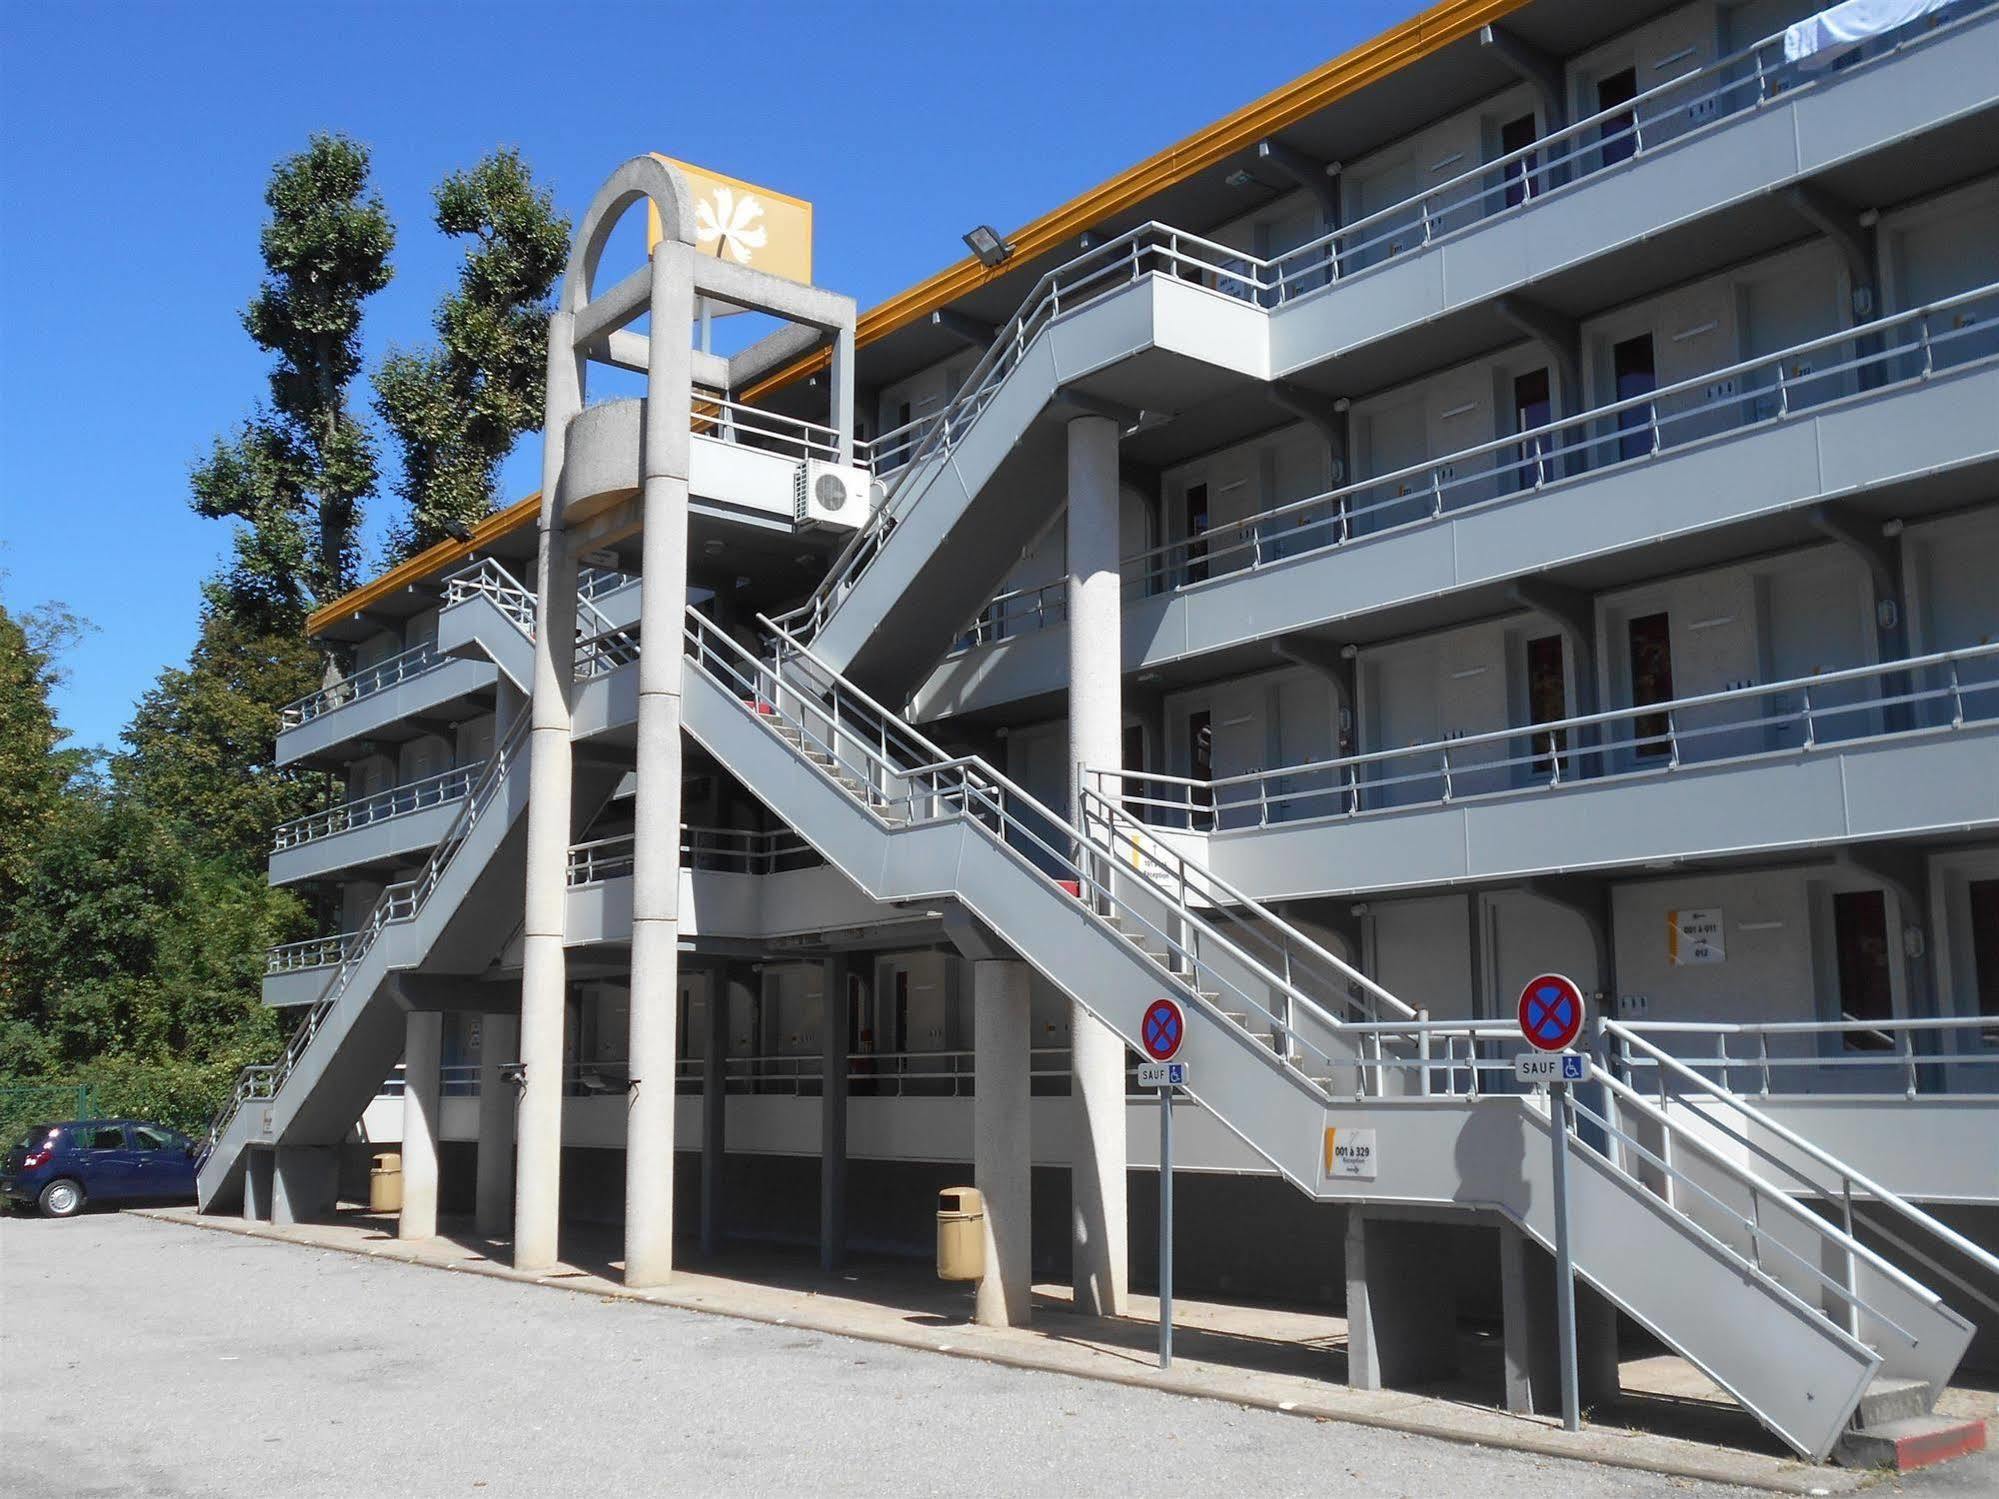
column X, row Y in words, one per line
column 62, row 1199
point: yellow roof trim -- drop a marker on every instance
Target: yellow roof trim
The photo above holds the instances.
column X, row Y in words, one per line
column 427, row 563
column 1418, row 37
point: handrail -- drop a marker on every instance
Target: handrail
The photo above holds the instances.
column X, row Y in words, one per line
column 1223, row 896
column 369, row 680
column 1531, row 171
column 1902, row 1057
column 380, row 806
column 1850, row 1179
column 967, row 786
column 717, row 416
column 1561, row 751
column 1563, row 451
column 312, row 952
column 701, row 848
column 398, row 903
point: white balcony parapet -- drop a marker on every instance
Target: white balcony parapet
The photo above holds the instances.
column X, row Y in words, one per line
column 1918, row 695
column 413, row 662
column 1874, row 359
column 365, row 811
column 1695, row 103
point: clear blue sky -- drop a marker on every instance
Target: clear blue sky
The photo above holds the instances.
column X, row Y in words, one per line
column 135, row 140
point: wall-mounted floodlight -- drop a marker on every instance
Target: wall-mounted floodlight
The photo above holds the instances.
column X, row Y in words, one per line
column 986, row 243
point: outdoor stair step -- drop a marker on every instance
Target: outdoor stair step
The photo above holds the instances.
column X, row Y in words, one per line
column 1891, row 1399
column 1909, row 1443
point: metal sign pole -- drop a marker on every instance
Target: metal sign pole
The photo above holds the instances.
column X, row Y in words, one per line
column 1565, row 1268
column 1166, row 1228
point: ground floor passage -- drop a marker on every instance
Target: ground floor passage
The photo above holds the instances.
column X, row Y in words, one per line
column 147, row 1357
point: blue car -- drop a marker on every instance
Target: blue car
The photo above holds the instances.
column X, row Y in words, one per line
column 60, row 1167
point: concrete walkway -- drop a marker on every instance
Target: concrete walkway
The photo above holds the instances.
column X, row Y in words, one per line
column 1671, row 1421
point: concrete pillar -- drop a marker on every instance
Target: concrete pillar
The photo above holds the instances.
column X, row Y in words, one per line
column 655, row 1006
column 1401, row 1305
column 423, row 1047
column 305, row 1182
column 1533, row 1357
column 1096, row 733
column 1002, row 1157
column 715, row 1103
column 258, row 1183
column 833, row 1114
column 544, row 967
column 499, row 1041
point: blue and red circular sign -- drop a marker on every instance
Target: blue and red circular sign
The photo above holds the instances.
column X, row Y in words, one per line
column 1551, row 1012
column 1162, row 1029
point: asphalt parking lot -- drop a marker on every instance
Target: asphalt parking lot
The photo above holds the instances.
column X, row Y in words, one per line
column 145, row 1358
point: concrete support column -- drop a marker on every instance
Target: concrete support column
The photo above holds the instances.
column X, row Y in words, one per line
column 423, row 1048
column 544, row 967
column 833, row 1113
column 305, row 1182
column 1002, row 1157
column 1096, row 734
column 655, row 1007
column 715, row 1102
column 1533, row 1357
column 1401, row 1310
column 259, row 1180
column 499, row 1041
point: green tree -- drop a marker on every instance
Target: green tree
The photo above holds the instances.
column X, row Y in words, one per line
column 298, row 470
column 457, row 407
column 34, row 767
column 200, row 751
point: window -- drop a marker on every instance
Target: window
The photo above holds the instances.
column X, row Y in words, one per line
column 1866, row 990
column 1651, row 644
column 1517, row 135
column 1201, row 767
column 1547, row 699
column 1532, row 408
column 1984, row 901
column 104, row 1137
column 1632, row 368
column 145, row 1137
column 1196, row 504
column 1618, row 135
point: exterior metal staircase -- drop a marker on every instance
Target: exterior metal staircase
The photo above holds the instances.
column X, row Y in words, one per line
column 1791, row 1313
column 353, row 1033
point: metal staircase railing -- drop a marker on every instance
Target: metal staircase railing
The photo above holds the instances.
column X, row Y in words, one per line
column 381, row 806
column 1740, row 1121
column 601, row 645
column 398, row 903
column 904, row 779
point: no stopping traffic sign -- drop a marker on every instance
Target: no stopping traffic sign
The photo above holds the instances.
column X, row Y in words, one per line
column 1162, row 1029
column 1551, row 1012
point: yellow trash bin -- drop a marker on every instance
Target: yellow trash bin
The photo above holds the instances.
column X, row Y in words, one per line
column 385, row 1183
column 961, row 1234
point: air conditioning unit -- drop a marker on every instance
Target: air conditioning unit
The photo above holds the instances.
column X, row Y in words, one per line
column 830, row 496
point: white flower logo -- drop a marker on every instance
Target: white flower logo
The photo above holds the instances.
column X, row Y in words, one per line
column 730, row 223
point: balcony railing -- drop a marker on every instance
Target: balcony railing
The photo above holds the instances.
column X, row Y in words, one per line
column 1872, row 359
column 726, row 850
column 398, row 801
column 1938, row 693
column 1804, row 1057
column 413, row 662
column 313, row 952
column 772, row 431
column 1699, row 100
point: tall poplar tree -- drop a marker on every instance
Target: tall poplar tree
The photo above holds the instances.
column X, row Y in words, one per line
column 295, row 473
column 457, row 407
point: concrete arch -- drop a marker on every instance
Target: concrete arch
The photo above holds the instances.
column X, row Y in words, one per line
column 647, row 177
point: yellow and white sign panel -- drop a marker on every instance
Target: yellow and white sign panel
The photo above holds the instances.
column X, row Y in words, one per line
column 740, row 221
